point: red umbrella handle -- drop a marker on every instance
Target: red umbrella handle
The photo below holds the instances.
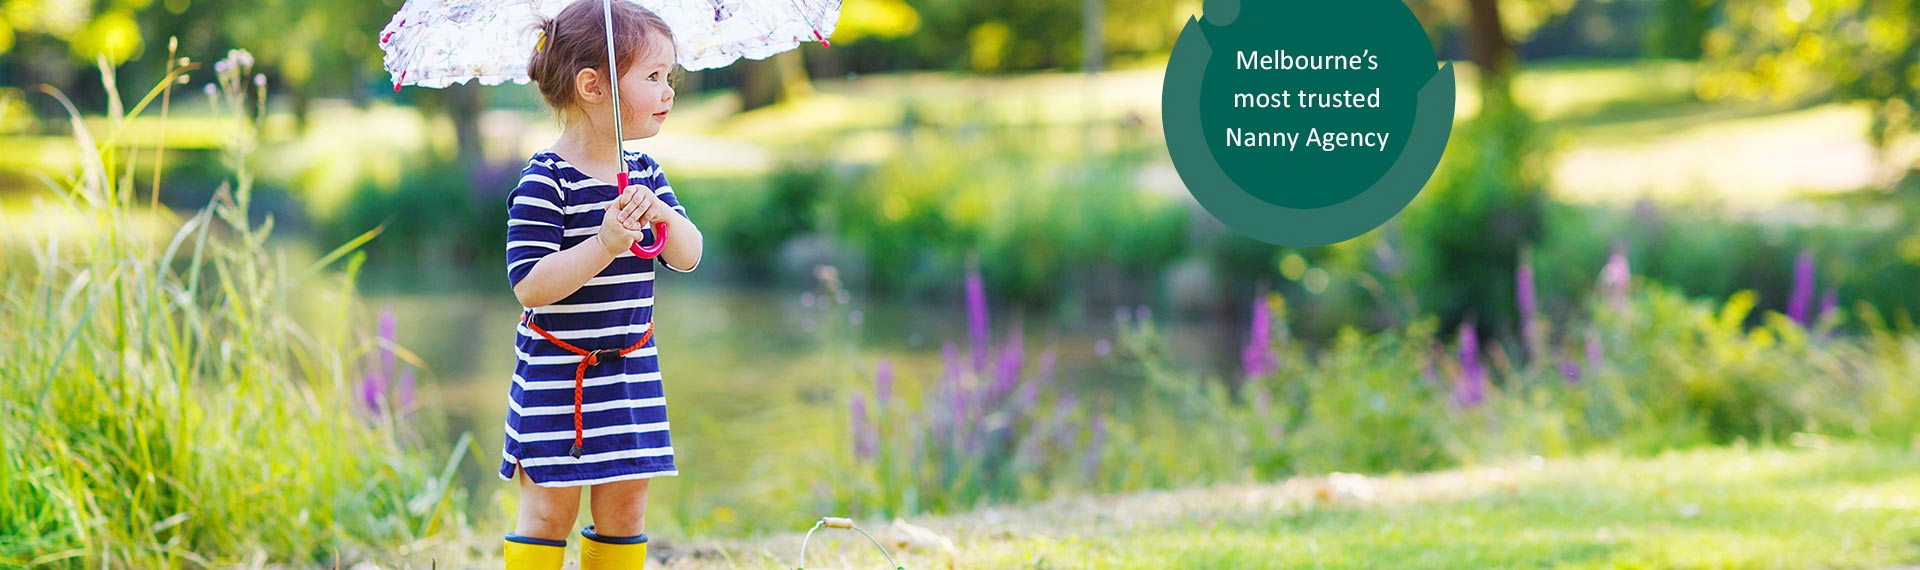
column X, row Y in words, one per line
column 659, row 242
column 659, row 230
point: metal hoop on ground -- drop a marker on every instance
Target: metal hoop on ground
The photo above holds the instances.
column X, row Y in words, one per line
column 846, row 523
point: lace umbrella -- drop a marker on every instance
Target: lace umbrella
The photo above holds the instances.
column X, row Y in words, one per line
column 436, row 43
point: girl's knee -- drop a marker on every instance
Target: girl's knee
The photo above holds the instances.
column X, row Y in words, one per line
column 544, row 525
column 619, row 508
column 547, row 513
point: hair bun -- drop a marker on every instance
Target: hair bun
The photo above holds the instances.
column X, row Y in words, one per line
column 546, row 31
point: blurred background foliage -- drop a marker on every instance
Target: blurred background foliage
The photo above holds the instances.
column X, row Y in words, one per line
column 1659, row 224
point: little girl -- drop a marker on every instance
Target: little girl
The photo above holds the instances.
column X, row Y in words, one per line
column 587, row 407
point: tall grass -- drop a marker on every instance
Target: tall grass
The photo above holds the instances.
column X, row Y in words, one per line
column 166, row 404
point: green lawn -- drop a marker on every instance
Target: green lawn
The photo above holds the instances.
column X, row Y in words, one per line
column 1841, row 505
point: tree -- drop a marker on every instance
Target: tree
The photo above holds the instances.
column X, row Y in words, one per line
column 1492, row 26
column 777, row 79
column 1484, row 204
column 784, row 77
column 313, row 48
column 1840, row 50
column 1680, row 28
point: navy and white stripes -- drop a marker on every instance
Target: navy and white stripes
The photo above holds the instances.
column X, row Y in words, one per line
column 624, row 414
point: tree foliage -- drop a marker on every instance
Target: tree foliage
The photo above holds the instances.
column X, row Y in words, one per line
column 1838, row 50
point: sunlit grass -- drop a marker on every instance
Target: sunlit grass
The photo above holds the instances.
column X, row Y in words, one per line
column 1728, row 156
column 164, row 405
column 1563, row 89
column 1815, row 506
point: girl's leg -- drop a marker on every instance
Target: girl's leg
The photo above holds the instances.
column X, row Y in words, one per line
column 546, row 513
column 539, row 541
column 619, row 508
column 617, row 537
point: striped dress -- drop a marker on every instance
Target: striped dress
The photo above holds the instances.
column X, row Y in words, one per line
column 622, row 404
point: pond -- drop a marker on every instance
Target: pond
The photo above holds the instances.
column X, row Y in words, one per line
column 758, row 398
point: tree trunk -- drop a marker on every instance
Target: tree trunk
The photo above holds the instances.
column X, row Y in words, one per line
column 463, row 106
column 1492, row 52
column 302, row 102
column 777, row 79
column 1093, row 36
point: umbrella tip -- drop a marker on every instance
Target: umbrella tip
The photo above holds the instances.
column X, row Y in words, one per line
column 823, row 39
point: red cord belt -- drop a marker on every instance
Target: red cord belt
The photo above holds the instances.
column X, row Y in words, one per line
column 588, row 358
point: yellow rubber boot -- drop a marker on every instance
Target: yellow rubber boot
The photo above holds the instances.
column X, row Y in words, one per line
column 612, row 552
column 527, row 553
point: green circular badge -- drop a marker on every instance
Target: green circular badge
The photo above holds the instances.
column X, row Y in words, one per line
column 1304, row 122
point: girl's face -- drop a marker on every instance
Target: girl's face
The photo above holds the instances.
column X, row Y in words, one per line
column 644, row 91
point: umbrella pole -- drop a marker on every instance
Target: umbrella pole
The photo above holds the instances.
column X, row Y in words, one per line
column 613, row 72
column 619, row 152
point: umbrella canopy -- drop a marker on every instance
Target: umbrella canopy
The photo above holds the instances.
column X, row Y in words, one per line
column 436, row 43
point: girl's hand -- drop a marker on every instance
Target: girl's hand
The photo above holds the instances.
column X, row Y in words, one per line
column 617, row 230
column 648, row 210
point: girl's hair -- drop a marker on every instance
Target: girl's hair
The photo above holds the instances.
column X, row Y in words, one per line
column 577, row 39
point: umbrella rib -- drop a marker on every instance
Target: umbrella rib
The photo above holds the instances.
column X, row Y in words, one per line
column 803, row 15
column 419, row 52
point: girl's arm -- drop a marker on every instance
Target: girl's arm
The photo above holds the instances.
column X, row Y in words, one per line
column 684, row 242
column 560, row 273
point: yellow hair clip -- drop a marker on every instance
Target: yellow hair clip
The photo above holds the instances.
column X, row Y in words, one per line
column 542, row 44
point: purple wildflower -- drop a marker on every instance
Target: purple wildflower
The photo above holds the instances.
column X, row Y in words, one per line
column 405, row 388
column 1472, row 389
column 373, row 388
column 1569, row 369
column 1007, row 373
column 1615, row 277
column 977, row 317
column 864, row 445
column 882, row 383
column 388, row 337
column 1803, row 283
column 958, row 404
column 1098, row 438
column 375, row 383
column 1257, row 358
column 1529, row 303
column 1829, row 304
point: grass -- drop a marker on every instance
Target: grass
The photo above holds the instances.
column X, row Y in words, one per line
column 167, row 405
column 1813, row 505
